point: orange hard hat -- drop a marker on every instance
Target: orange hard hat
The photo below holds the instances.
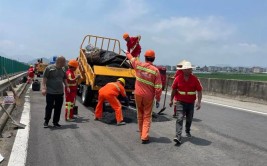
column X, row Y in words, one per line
column 125, row 35
column 150, row 53
column 73, row 63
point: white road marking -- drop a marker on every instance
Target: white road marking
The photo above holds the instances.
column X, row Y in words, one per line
column 19, row 151
column 228, row 106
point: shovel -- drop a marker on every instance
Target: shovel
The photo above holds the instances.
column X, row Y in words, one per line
column 19, row 125
column 139, row 38
column 125, row 58
column 130, row 108
column 163, row 108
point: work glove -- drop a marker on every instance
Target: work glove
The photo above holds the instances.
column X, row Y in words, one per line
column 157, row 104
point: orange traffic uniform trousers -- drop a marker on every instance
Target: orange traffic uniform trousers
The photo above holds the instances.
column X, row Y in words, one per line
column 144, row 115
column 70, row 102
column 114, row 103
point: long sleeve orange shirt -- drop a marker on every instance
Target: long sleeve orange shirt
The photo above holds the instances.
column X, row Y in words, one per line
column 148, row 80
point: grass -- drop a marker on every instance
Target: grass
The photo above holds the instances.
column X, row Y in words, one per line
column 234, row 76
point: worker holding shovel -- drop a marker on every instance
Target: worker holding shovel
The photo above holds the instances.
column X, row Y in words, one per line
column 133, row 45
column 110, row 93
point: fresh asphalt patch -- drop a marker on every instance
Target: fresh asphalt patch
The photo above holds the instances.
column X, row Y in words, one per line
column 129, row 116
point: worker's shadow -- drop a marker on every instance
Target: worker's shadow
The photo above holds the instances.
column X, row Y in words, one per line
column 163, row 140
column 65, row 126
column 81, row 119
column 197, row 141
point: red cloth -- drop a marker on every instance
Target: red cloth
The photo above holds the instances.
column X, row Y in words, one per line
column 31, row 72
column 71, row 81
column 70, row 102
column 191, row 85
column 130, row 45
column 178, row 72
column 70, row 97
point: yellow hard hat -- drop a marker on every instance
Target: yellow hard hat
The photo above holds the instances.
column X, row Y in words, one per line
column 122, row 80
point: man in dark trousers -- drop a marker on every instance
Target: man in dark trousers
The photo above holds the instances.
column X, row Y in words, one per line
column 52, row 88
column 187, row 89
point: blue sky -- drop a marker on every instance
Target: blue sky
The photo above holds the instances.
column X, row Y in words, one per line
column 205, row 32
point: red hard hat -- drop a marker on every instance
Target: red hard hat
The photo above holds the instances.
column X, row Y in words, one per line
column 150, row 53
column 73, row 63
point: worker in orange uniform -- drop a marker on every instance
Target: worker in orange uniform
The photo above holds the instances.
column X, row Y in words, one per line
column 132, row 44
column 30, row 74
column 71, row 93
column 110, row 92
column 185, row 87
column 147, row 87
column 178, row 72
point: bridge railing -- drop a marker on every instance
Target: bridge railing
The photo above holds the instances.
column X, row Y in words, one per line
column 12, row 67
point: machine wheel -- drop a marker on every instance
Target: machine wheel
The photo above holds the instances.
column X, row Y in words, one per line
column 87, row 95
column 80, row 90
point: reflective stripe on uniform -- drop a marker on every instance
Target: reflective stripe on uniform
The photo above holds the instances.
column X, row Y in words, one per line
column 158, row 86
column 148, row 83
column 186, row 93
column 146, row 69
column 69, row 106
column 70, row 78
column 117, row 86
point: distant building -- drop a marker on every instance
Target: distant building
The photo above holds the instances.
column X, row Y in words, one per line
column 169, row 68
column 257, row 70
column 173, row 68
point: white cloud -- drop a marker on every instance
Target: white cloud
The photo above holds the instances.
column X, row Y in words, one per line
column 189, row 29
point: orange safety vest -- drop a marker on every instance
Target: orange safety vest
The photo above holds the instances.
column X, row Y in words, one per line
column 148, row 79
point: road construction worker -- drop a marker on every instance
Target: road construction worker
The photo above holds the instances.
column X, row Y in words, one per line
column 110, row 92
column 132, row 44
column 30, row 74
column 147, row 87
column 72, row 85
column 185, row 87
column 178, row 72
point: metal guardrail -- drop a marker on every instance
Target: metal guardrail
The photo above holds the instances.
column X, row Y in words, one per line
column 4, row 84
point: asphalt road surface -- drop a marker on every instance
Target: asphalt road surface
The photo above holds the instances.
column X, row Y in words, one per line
column 220, row 136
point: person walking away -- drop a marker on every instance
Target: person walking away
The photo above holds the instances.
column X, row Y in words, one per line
column 147, row 87
column 30, row 74
column 178, row 72
column 185, row 87
column 133, row 45
column 52, row 88
column 110, row 92
column 72, row 85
